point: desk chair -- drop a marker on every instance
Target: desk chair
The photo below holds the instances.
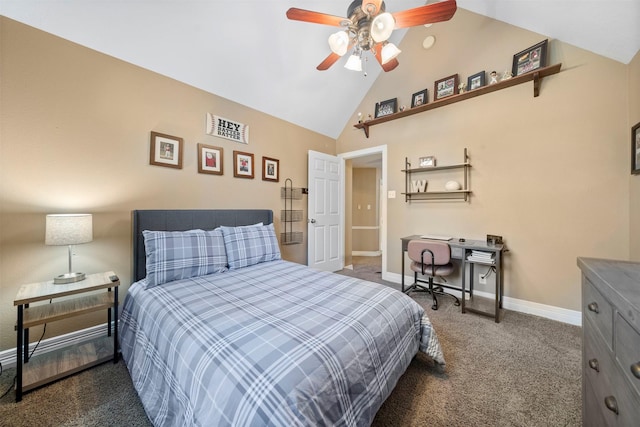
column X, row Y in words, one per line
column 430, row 258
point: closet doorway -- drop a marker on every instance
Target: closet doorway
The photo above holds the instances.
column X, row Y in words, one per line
column 365, row 228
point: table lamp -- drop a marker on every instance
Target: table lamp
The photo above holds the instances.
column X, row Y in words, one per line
column 69, row 229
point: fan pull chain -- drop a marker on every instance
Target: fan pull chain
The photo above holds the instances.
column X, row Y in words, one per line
column 364, row 66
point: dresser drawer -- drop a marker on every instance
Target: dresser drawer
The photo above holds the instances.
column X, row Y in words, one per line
column 597, row 310
column 592, row 416
column 627, row 345
column 607, row 395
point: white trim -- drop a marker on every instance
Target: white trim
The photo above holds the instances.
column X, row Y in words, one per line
column 560, row 314
column 382, row 150
column 366, row 253
column 8, row 357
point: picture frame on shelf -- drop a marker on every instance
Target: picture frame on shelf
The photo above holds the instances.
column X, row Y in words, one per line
column 419, row 98
column 427, row 162
column 242, row 164
column 165, row 150
column 530, row 59
column 270, row 169
column 210, row 159
column 384, row 108
column 446, row 87
column 476, row 80
column 635, row 149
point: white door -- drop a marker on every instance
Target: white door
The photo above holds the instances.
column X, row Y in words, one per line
column 324, row 212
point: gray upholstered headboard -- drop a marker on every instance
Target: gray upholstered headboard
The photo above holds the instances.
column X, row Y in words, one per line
column 182, row 220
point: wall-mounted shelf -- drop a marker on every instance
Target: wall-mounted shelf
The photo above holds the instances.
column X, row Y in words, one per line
column 535, row 76
column 462, row 194
column 288, row 215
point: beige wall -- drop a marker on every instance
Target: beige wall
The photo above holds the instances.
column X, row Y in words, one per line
column 74, row 137
column 364, row 210
column 634, row 118
column 550, row 173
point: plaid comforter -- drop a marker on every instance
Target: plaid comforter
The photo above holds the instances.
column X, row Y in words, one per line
column 275, row 343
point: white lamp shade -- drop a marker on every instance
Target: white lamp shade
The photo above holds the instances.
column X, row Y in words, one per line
column 339, row 42
column 354, row 63
column 389, row 51
column 382, row 26
column 69, row 229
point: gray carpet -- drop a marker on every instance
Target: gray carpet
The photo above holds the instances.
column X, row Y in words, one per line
column 524, row 371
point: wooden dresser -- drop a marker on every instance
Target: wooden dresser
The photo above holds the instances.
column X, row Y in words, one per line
column 610, row 342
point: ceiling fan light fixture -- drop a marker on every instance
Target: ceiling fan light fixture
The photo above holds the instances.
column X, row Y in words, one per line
column 339, row 42
column 354, row 63
column 382, row 26
column 389, row 52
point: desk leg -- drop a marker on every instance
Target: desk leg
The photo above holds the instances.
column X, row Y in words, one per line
column 19, row 355
column 464, row 274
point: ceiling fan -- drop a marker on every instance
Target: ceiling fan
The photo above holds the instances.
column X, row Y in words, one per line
column 368, row 27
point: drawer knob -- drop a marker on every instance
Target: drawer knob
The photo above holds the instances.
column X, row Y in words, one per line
column 611, row 404
column 593, row 364
column 593, row 307
column 635, row 369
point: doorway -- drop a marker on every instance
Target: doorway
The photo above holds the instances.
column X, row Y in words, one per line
column 371, row 158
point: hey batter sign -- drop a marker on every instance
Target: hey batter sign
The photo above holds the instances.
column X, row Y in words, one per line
column 225, row 128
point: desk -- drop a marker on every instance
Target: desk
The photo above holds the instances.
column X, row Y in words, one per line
column 460, row 251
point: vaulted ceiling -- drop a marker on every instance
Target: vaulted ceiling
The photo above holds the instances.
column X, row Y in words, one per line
column 249, row 52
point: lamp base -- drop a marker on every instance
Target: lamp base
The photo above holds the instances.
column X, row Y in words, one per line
column 68, row 278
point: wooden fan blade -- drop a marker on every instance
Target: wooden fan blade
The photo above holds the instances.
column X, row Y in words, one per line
column 314, row 17
column 390, row 65
column 375, row 3
column 328, row 62
column 436, row 12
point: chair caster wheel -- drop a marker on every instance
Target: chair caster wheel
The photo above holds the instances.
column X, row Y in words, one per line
column 457, row 303
column 434, row 307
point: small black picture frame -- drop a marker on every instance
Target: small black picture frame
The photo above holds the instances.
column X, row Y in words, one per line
column 635, row 150
column 419, row 98
column 476, row 81
column 384, row 108
column 530, row 59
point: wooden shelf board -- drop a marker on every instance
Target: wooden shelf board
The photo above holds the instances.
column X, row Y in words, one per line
column 534, row 76
column 435, row 168
column 52, row 366
column 59, row 310
column 46, row 290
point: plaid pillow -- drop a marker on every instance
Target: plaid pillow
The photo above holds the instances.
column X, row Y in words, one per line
column 174, row 255
column 249, row 245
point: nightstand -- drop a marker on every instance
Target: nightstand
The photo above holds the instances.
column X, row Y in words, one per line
column 43, row 369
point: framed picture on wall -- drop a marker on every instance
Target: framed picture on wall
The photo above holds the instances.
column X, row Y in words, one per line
column 446, row 87
column 166, row 150
column 635, row 149
column 530, row 59
column 210, row 159
column 242, row 165
column 419, row 98
column 270, row 169
column 475, row 81
column 387, row 107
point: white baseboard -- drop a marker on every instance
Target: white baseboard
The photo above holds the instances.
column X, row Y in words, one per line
column 366, row 253
column 563, row 315
column 8, row 357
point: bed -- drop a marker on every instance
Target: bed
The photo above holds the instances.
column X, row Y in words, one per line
column 218, row 330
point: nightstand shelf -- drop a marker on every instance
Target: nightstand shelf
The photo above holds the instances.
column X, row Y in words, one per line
column 42, row 369
column 63, row 362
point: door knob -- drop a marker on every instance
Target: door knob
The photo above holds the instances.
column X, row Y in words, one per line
column 312, row 221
